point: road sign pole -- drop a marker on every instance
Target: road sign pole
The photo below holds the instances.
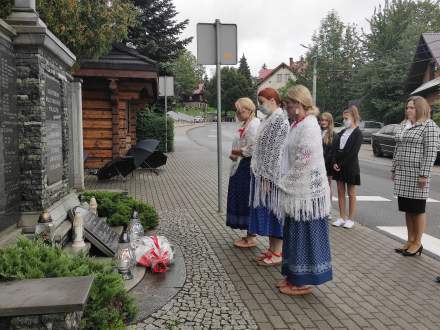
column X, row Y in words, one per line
column 166, row 117
column 219, row 117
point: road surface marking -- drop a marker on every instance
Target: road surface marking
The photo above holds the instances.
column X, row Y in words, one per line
column 212, row 136
column 429, row 242
column 367, row 199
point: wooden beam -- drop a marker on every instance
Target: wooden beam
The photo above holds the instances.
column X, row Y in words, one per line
column 113, row 74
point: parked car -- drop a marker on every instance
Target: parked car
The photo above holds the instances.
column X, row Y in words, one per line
column 383, row 142
column 368, row 128
column 198, row 119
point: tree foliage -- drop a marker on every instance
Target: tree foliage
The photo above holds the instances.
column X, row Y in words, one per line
column 244, row 69
column 234, row 86
column 157, row 34
column 187, row 73
column 87, row 27
column 390, row 47
column 339, row 53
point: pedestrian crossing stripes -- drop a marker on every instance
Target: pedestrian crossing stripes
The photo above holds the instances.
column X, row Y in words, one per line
column 430, row 243
column 380, row 199
column 367, row 199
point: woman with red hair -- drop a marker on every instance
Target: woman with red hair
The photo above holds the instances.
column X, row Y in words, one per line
column 265, row 165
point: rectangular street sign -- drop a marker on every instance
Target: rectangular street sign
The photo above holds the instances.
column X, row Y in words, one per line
column 169, row 83
column 206, row 44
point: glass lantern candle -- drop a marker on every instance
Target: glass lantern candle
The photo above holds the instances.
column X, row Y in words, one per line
column 124, row 256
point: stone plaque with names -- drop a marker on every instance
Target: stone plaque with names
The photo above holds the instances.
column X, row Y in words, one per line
column 98, row 232
column 9, row 169
column 54, row 132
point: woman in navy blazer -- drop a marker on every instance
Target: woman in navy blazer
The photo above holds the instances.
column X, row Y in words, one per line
column 346, row 165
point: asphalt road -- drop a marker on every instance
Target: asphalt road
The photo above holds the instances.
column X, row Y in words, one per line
column 378, row 206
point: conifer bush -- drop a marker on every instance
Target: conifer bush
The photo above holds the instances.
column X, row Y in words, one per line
column 109, row 305
column 118, row 208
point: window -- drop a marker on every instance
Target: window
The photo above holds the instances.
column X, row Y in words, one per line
column 279, row 78
column 286, row 77
column 372, row 124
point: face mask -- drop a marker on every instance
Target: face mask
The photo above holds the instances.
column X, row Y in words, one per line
column 347, row 123
column 264, row 110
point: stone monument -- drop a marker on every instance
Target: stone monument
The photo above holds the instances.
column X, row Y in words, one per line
column 36, row 150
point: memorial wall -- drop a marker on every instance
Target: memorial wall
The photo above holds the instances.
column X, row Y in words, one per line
column 9, row 157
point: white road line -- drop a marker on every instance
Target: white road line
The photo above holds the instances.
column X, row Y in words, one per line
column 367, row 199
column 429, row 242
column 212, row 136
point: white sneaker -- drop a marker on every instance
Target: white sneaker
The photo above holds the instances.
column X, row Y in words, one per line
column 349, row 224
column 338, row 223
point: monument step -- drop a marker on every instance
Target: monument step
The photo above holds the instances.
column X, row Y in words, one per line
column 70, row 250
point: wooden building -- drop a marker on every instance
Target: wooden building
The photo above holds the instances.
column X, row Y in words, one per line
column 114, row 87
column 424, row 75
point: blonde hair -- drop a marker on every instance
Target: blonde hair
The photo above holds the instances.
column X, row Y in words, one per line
column 302, row 95
column 246, row 103
column 328, row 138
column 354, row 112
column 423, row 109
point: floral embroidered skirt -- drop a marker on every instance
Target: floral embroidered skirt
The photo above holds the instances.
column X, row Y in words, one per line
column 238, row 210
column 306, row 252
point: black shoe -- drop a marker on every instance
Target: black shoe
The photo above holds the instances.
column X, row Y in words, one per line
column 406, row 253
column 399, row 250
column 437, row 279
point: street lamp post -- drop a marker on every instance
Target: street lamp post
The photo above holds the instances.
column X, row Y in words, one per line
column 315, row 73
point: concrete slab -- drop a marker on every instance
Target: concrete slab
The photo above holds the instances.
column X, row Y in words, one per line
column 44, row 296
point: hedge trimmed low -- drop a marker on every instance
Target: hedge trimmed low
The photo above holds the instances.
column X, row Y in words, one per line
column 109, row 305
column 150, row 125
column 118, row 208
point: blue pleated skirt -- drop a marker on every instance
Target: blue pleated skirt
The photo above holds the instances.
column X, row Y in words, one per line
column 238, row 210
column 262, row 221
column 306, row 252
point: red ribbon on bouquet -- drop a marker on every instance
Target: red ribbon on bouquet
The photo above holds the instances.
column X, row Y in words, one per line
column 159, row 261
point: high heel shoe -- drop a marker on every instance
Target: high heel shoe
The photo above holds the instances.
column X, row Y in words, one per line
column 399, row 250
column 406, row 253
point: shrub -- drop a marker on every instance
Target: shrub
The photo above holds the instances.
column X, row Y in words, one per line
column 152, row 126
column 118, row 208
column 109, row 305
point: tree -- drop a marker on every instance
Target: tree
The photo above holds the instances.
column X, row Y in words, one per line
column 244, row 69
column 389, row 49
column 234, row 86
column 187, row 73
column 338, row 50
column 157, row 34
column 87, row 28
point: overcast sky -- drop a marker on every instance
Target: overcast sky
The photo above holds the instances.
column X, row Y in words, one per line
column 270, row 31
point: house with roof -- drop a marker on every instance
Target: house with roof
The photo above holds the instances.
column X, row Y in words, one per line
column 424, row 75
column 275, row 78
column 114, row 87
column 196, row 99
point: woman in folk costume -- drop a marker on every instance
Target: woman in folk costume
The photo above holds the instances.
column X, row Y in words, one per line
column 304, row 200
column 265, row 167
column 237, row 216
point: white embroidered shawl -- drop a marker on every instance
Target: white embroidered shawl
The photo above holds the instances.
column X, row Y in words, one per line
column 266, row 160
column 304, row 189
column 245, row 143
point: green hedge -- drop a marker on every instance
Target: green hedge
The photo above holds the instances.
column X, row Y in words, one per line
column 118, row 208
column 151, row 125
column 109, row 305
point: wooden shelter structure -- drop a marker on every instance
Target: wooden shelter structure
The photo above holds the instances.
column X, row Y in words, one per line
column 114, row 88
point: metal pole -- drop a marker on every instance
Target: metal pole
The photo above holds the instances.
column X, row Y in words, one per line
column 166, row 118
column 315, row 63
column 219, row 118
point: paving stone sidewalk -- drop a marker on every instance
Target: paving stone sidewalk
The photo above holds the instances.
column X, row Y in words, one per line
column 373, row 287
